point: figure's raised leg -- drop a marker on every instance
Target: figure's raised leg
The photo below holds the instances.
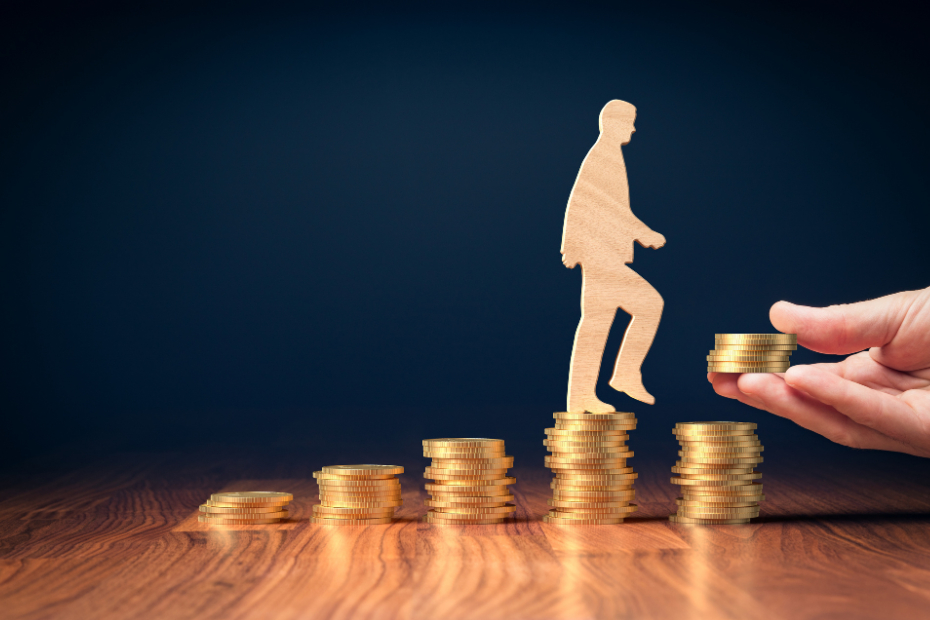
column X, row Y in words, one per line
column 597, row 315
column 644, row 304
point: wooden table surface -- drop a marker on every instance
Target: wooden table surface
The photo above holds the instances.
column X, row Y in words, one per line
column 120, row 539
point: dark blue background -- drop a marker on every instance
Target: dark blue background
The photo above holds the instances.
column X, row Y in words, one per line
column 338, row 229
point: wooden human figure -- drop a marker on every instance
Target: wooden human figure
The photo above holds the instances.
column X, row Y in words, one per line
column 599, row 233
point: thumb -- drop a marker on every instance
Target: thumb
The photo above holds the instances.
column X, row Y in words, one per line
column 843, row 329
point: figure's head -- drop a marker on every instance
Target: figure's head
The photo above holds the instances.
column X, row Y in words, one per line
column 617, row 119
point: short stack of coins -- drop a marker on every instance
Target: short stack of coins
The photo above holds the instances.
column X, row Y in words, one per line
column 593, row 484
column 469, row 481
column 751, row 352
column 716, row 473
column 245, row 508
column 357, row 494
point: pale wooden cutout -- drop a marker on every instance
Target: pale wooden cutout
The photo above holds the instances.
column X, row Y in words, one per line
column 599, row 233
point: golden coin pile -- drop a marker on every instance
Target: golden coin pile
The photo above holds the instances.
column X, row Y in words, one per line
column 592, row 485
column 751, row 352
column 715, row 472
column 469, row 481
column 245, row 508
column 357, row 494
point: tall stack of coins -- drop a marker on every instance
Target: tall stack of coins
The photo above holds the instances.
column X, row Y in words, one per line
column 469, row 481
column 357, row 494
column 592, row 485
column 245, row 508
column 751, row 352
column 716, row 475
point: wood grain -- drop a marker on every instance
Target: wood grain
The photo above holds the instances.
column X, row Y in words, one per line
column 122, row 540
column 598, row 234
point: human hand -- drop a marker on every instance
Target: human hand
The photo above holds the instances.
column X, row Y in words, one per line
column 877, row 399
column 652, row 239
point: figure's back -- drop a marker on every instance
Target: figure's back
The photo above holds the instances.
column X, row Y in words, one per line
column 598, row 217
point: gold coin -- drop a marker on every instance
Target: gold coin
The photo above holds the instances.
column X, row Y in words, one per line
column 732, row 369
column 466, row 491
column 716, row 468
column 474, row 510
column 572, row 445
column 716, row 426
column 459, row 498
column 618, row 474
column 690, row 521
column 616, row 513
column 712, row 512
column 569, row 434
column 735, row 503
column 442, row 514
column 726, row 443
column 355, row 517
column 728, row 346
column 561, row 503
column 775, row 338
column 754, row 488
column 389, row 482
column 256, row 510
column 594, row 478
column 336, row 510
column 723, row 450
column 567, row 492
column 222, row 521
column 435, row 518
column 695, row 435
column 752, row 476
column 363, row 470
column 267, row 507
column 486, row 474
column 602, row 458
column 361, row 491
column 739, row 359
column 252, row 497
column 327, row 521
column 336, row 477
column 729, row 470
column 574, row 456
column 688, row 460
column 461, row 454
column 576, row 474
column 463, row 442
column 476, row 483
column 626, row 496
column 341, row 503
column 503, row 463
column 557, row 521
column 575, row 415
column 594, row 426
column 708, row 483
column 442, row 503
column 783, row 363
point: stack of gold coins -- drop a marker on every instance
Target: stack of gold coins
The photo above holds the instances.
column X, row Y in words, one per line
column 245, row 508
column 357, row 494
column 716, row 475
column 592, row 485
column 751, row 352
column 469, row 481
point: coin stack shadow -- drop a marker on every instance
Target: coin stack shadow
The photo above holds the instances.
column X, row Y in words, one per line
column 740, row 353
column 593, row 484
column 245, row 508
column 357, row 494
column 715, row 473
column 470, row 482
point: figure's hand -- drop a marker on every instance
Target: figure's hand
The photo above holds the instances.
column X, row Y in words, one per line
column 877, row 399
column 571, row 256
column 652, row 240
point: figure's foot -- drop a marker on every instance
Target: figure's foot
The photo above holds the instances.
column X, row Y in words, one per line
column 633, row 386
column 591, row 404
